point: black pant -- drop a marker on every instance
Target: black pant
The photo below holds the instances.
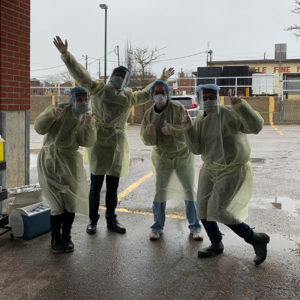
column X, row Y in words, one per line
column 111, row 198
column 215, row 236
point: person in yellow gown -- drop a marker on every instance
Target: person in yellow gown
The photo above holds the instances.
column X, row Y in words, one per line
column 60, row 168
column 111, row 104
column 226, row 179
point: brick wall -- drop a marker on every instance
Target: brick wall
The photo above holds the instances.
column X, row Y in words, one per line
column 15, row 55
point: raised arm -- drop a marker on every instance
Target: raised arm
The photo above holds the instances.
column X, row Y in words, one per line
column 77, row 71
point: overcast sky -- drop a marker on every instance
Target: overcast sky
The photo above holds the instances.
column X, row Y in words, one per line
column 234, row 29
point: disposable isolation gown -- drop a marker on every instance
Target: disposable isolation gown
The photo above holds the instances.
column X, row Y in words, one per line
column 172, row 161
column 226, row 178
column 110, row 153
column 60, row 166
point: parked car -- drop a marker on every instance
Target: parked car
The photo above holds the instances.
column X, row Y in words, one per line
column 190, row 104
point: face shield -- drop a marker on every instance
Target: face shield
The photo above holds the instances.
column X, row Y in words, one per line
column 208, row 98
column 80, row 100
column 120, row 77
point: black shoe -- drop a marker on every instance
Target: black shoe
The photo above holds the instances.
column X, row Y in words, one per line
column 259, row 243
column 68, row 244
column 115, row 226
column 91, row 228
column 57, row 245
column 212, row 250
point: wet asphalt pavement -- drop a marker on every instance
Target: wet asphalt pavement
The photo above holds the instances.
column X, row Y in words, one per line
column 112, row 266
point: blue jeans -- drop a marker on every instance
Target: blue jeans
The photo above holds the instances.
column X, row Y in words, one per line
column 159, row 214
column 215, row 236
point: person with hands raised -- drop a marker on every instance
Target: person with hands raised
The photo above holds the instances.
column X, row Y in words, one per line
column 172, row 161
column 109, row 157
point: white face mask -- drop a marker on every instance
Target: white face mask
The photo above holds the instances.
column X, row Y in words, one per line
column 160, row 99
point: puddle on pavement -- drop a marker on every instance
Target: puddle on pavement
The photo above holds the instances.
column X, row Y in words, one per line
column 287, row 204
column 280, row 242
column 134, row 160
column 257, row 160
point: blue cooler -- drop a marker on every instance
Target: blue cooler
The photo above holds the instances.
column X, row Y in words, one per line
column 30, row 221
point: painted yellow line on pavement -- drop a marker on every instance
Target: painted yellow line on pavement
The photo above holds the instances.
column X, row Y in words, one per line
column 144, row 213
column 138, row 212
column 133, row 186
column 271, row 113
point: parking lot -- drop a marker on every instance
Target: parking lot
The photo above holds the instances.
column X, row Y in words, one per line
column 112, row 266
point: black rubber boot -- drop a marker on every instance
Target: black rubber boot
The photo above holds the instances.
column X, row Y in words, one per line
column 212, row 250
column 68, row 219
column 115, row 226
column 259, row 243
column 56, row 243
column 92, row 227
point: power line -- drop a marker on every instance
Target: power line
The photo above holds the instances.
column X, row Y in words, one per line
column 59, row 66
column 176, row 58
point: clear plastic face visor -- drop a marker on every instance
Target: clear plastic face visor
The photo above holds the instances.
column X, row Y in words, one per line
column 201, row 101
column 119, row 80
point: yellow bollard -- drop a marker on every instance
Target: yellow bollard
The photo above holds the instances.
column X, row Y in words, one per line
column 1, row 148
column 222, row 100
column 132, row 115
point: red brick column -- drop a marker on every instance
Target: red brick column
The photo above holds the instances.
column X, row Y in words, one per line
column 15, row 55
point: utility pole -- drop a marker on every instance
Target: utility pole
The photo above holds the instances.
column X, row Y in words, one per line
column 118, row 54
column 86, row 61
column 99, row 70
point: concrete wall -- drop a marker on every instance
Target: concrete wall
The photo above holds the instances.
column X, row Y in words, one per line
column 15, row 148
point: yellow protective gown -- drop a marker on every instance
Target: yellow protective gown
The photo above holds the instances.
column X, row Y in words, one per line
column 110, row 154
column 60, row 166
column 226, row 178
column 172, row 161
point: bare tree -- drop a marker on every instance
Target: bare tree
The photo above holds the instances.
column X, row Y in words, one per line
column 295, row 28
column 65, row 77
column 144, row 57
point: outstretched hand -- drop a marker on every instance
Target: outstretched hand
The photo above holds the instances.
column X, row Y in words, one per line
column 60, row 45
column 168, row 73
column 233, row 99
column 186, row 121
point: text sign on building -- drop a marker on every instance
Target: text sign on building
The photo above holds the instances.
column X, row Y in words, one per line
column 280, row 52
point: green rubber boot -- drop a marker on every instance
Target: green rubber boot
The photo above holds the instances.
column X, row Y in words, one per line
column 212, row 250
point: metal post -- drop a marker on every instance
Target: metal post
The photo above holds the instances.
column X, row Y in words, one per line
column 105, row 45
column 99, row 70
column 235, row 90
column 118, row 53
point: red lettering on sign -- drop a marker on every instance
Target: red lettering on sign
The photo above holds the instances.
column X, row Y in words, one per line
column 298, row 68
column 275, row 69
column 264, row 69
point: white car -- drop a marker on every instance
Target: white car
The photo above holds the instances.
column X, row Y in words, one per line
column 190, row 104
